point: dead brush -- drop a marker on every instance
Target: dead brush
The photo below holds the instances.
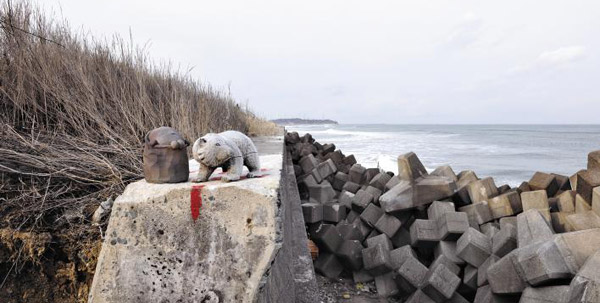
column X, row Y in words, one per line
column 73, row 113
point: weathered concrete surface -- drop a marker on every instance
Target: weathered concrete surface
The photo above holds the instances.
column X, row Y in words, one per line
column 154, row 251
column 291, row 277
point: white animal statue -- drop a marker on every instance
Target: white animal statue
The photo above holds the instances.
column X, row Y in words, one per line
column 230, row 150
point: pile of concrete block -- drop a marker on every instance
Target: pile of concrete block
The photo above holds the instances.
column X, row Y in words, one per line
column 444, row 237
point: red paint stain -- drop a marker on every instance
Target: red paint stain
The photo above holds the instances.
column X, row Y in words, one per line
column 196, row 201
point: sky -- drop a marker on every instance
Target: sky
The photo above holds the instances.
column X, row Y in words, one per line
column 396, row 62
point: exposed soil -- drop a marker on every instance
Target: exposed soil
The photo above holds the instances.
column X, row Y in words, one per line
column 49, row 266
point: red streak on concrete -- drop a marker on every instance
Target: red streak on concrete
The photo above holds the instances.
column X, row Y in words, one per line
column 196, row 201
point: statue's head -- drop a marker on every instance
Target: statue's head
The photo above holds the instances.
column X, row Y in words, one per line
column 211, row 150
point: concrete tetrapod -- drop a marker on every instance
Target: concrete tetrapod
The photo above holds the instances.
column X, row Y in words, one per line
column 543, row 262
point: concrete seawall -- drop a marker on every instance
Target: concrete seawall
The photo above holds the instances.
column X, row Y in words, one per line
column 247, row 243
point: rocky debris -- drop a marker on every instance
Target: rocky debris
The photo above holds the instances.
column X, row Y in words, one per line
column 439, row 236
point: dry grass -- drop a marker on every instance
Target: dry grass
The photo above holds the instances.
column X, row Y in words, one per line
column 73, row 113
column 262, row 127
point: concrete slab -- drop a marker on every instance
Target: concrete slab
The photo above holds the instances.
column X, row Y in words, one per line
column 155, row 250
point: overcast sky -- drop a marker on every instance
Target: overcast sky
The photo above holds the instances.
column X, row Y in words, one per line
column 378, row 61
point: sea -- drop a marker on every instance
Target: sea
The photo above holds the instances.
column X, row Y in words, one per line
column 510, row 154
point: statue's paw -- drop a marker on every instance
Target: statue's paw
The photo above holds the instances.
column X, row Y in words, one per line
column 251, row 175
column 230, row 178
column 198, row 179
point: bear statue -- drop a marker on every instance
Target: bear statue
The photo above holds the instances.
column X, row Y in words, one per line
column 230, row 150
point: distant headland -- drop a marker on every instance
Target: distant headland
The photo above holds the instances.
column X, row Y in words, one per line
column 296, row 121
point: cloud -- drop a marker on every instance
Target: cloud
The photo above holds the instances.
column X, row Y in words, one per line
column 557, row 58
column 561, row 55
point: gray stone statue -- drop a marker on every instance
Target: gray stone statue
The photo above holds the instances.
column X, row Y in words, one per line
column 230, row 150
